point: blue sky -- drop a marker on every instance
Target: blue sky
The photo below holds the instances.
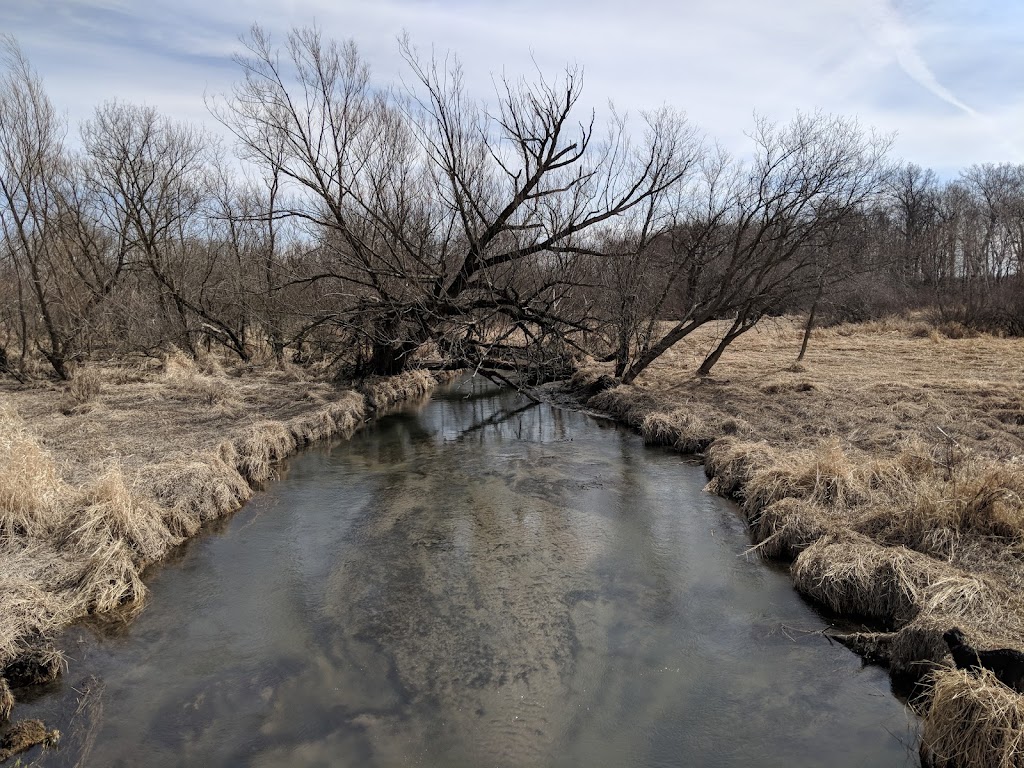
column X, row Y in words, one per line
column 946, row 75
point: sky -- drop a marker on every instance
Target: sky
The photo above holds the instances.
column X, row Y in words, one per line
column 945, row 76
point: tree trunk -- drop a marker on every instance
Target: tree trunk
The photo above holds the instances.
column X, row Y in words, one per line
column 391, row 358
column 809, row 326
column 739, row 327
column 664, row 344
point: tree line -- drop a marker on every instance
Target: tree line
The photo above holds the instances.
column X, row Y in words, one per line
column 357, row 225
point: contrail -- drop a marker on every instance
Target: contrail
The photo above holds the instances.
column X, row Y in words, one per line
column 895, row 35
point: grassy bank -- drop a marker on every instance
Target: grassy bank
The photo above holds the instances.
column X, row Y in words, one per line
column 889, row 468
column 104, row 476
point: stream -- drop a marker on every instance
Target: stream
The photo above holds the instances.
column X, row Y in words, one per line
column 475, row 580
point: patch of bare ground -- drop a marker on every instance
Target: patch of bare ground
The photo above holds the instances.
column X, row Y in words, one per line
column 102, row 478
column 888, row 466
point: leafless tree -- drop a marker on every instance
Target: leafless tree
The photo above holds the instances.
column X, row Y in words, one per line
column 436, row 216
column 32, row 174
column 756, row 236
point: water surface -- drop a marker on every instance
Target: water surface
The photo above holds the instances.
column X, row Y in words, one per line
column 475, row 581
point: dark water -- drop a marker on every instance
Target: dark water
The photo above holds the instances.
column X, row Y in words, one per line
column 478, row 581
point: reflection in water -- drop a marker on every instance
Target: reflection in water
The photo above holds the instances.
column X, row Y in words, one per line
column 482, row 581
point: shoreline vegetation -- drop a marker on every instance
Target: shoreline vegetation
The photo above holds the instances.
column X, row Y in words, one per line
column 888, row 469
column 106, row 475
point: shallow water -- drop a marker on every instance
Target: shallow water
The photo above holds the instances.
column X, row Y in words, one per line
column 475, row 581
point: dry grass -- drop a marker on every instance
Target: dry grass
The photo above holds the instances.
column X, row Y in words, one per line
column 24, row 735
column 785, row 528
column 30, row 488
column 6, row 700
column 87, row 502
column 383, row 393
column 80, row 392
column 888, row 465
column 30, row 611
column 854, row 576
column 972, row 720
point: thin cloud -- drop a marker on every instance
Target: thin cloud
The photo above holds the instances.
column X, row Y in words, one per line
column 720, row 62
column 895, row 35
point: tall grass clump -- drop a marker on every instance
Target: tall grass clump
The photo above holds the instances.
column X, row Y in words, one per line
column 192, row 490
column 787, row 527
column 6, row 700
column 680, row 429
column 382, row 393
column 204, row 382
column 106, row 580
column 934, row 507
column 110, row 510
column 972, row 721
column 731, row 462
column 855, row 576
column 825, row 475
column 28, row 612
column 81, row 391
column 30, row 487
column 625, row 403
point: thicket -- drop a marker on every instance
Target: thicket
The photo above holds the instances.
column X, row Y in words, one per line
column 360, row 224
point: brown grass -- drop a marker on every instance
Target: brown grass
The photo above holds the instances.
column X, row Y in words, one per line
column 81, row 391
column 24, row 735
column 30, row 488
column 6, row 700
column 89, row 497
column 972, row 720
column 888, row 465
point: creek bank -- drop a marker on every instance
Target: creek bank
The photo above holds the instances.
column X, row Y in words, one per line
column 94, row 493
column 900, row 541
column 477, row 580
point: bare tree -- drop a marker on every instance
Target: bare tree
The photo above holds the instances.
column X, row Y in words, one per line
column 32, row 172
column 755, row 237
column 435, row 216
column 154, row 176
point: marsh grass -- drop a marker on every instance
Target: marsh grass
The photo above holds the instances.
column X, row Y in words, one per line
column 24, row 735
column 30, row 487
column 6, row 700
column 972, row 720
column 81, row 392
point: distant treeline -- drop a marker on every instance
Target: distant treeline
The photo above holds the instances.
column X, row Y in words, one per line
column 356, row 225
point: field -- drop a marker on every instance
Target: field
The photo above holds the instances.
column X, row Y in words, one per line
column 888, row 467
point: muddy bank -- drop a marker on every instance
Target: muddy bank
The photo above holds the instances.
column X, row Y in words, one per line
column 102, row 478
column 906, row 517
